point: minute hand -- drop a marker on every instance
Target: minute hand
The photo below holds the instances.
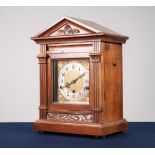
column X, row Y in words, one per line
column 74, row 81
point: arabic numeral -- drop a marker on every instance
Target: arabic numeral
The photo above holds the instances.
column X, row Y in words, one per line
column 73, row 95
column 86, row 88
column 63, row 74
column 73, row 66
column 68, row 94
column 67, row 69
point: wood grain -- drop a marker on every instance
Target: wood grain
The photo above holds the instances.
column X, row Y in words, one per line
column 104, row 53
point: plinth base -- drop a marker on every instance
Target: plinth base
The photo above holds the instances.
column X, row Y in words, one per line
column 94, row 129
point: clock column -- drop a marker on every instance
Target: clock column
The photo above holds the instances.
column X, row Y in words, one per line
column 43, row 82
column 95, row 80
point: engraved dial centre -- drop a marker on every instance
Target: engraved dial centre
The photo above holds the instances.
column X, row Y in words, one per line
column 75, row 79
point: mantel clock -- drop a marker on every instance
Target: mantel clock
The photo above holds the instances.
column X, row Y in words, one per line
column 80, row 78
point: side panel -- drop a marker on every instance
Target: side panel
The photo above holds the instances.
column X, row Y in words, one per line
column 102, row 85
column 113, row 82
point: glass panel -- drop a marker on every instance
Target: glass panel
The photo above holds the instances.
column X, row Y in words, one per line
column 55, row 81
column 71, row 81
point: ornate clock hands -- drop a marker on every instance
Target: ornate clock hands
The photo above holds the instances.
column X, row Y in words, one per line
column 73, row 81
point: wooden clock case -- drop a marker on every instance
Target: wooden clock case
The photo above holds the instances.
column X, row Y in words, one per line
column 72, row 38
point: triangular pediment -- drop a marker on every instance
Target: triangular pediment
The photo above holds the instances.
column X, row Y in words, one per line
column 67, row 26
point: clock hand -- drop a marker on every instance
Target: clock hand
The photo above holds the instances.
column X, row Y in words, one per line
column 73, row 81
column 68, row 84
column 79, row 77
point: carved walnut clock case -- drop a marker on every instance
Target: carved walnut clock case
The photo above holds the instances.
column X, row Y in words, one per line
column 80, row 78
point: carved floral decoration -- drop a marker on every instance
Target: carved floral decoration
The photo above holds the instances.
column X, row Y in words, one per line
column 70, row 117
column 68, row 30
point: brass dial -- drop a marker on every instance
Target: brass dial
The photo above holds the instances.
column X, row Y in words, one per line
column 73, row 81
column 76, row 81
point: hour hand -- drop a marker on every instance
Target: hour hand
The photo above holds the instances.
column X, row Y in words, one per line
column 72, row 82
column 66, row 85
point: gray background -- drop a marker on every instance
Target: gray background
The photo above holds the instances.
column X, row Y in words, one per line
column 19, row 70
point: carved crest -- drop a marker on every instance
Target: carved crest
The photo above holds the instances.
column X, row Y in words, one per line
column 68, row 30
